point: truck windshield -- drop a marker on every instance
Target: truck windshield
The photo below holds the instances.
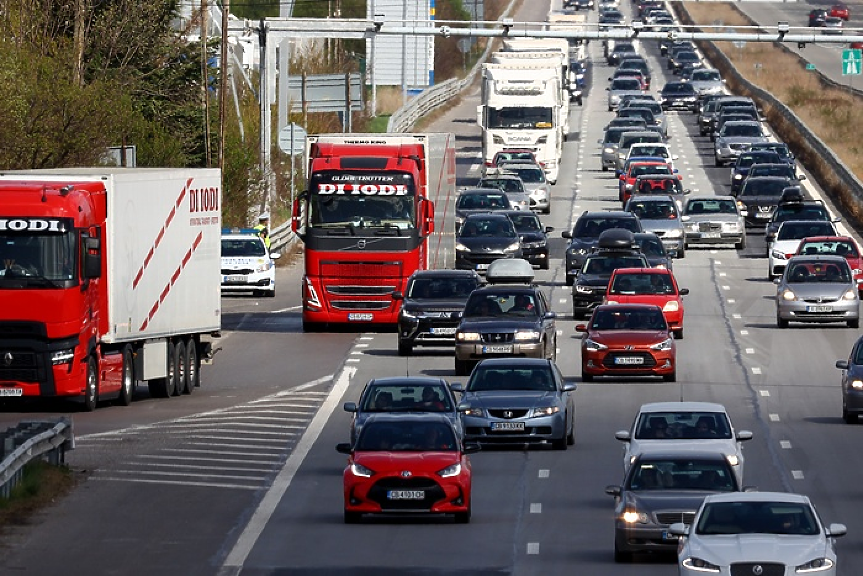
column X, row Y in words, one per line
column 528, row 118
column 362, row 200
column 37, row 260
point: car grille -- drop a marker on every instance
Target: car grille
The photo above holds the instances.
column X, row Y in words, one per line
column 498, row 337
column 507, row 413
column 476, row 258
column 237, row 271
column 649, row 360
column 361, row 304
column 361, row 290
column 22, row 368
column 749, row 568
column 709, row 226
column 668, row 518
column 361, row 269
column 820, row 300
column 378, row 493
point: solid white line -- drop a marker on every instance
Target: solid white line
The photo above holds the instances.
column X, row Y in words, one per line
column 245, row 447
column 244, row 425
column 237, row 557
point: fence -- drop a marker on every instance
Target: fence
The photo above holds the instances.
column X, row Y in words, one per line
column 28, row 441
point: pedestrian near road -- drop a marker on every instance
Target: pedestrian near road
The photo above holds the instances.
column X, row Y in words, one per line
column 263, row 228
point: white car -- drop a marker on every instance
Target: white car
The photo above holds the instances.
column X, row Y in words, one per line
column 678, row 425
column 788, row 238
column 247, row 264
column 769, row 533
column 652, row 149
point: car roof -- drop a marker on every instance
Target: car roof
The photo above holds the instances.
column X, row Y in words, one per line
column 407, row 417
column 470, row 191
column 682, row 407
column 530, row 362
column 758, row 497
column 445, row 273
column 818, row 258
column 406, row 381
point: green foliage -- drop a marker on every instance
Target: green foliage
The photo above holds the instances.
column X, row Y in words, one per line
column 255, row 9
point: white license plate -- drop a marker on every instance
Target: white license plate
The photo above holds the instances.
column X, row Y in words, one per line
column 819, row 309
column 406, row 494
column 11, row 391
column 442, row 331
column 482, row 266
column 360, row 316
column 711, row 235
column 498, row 349
column 629, row 360
column 235, row 278
column 508, row 426
column 762, row 215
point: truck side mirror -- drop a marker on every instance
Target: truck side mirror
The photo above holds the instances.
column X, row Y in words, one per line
column 91, row 257
column 479, row 115
column 428, row 217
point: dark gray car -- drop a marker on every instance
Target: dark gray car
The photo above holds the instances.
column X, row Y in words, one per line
column 484, row 238
column 852, row 383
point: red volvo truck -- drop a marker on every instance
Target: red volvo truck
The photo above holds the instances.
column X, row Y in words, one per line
column 109, row 277
column 368, row 221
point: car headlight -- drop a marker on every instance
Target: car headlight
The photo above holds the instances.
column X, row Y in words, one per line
column 608, row 150
column 594, row 345
column 700, row 565
column 664, row 345
column 611, row 302
column 817, row 565
column 527, row 335
column 545, row 411
column 676, row 233
column 412, row 314
column 731, row 227
column 450, row 471
column 738, row 176
column 691, row 227
column 850, row 294
column 360, row 470
column 778, row 254
column 857, row 384
column 476, row 412
column 461, row 247
column 732, row 459
column 578, row 251
column 671, row 306
column 632, row 517
column 263, row 265
column 583, row 289
column 467, row 336
column 788, row 295
column 64, row 356
column 512, row 247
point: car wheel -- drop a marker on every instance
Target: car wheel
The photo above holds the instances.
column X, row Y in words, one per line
column 604, row 167
column 854, row 323
column 560, row 443
column 718, row 162
column 463, row 517
column 781, row 322
column 270, row 293
column 544, row 264
column 678, row 334
column 742, row 244
column 179, row 362
column 849, row 417
column 620, row 556
column 405, row 348
column 585, row 377
column 462, row 367
column 164, row 387
column 681, row 253
column 127, row 380
column 670, row 377
column 570, row 438
column 91, row 386
column 352, row 517
column 570, row 280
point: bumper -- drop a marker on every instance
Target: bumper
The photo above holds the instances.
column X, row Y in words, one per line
column 427, row 332
column 536, row 256
column 631, row 538
column 808, row 312
column 853, row 400
column 609, row 160
column 714, row 237
column 465, row 261
column 673, row 245
column 478, row 351
column 263, row 281
column 442, row 496
column 582, row 304
column 536, row 430
column 603, row 363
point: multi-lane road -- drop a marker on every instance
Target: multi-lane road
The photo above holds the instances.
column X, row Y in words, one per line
column 243, row 478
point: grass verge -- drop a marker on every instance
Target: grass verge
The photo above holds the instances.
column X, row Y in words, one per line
column 42, row 484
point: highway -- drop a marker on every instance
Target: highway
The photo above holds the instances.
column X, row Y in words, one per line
column 243, row 477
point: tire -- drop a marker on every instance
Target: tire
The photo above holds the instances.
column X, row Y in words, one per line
column 742, row 244
column 781, row 322
column 678, row 334
column 164, row 387
column 178, row 361
column 91, row 387
column 463, row 517
column 193, row 366
column 462, row 367
column 127, row 380
column 670, row 377
column 854, row 323
column 681, row 253
column 270, row 293
column 849, row 417
column 310, row 327
column 560, row 443
column 544, row 264
column 585, row 377
column 717, row 162
column 604, row 167
column 352, row 517
column 620, row 556
column 570, row 438
column 405, row 348
column 570, row 280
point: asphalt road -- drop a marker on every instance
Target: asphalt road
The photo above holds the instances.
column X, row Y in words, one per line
column 242, row 477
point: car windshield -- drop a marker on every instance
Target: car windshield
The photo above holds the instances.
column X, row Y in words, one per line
column 503, row 184
column 783, row 170
column 651, row 247
column 605, row 265
column 237, row 248
column 441, row 288
column 708, row 206
column 406, row 397
column 520, row 304
column 794, row 230
column 625, row 84
column 487, row 228
column 741, row 130
column 511, row 378
column 678, row 88
column 407, row 436
column 682, row 425
column 642, row 169
column 801, row 213
column 648, row 150
column 504, row 156
column 482, row 202
column 759, row 187
column 836, row 247
column 706, row 76
column 526, row 222
column 529, row 175
column 645, row 283
column 594, row 226
column 682, row 474
column 654, row 210
column 620, row 318
column 813, row 272
column 757, row 518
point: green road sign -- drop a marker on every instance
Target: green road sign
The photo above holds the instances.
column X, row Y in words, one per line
column 810, row 66
column 852, row 62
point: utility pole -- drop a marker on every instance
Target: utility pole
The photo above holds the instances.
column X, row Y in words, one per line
column 204, row 80
column 78, row 75
column 224, row 66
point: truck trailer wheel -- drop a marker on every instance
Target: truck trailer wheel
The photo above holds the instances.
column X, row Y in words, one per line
column 164, row 387
column 91, row 390
column 193, row 366
column 127, row 384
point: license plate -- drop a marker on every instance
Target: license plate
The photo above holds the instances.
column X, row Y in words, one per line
column 628, row 360
column 482, row 266
column 499, row 349
column 360, row 316
column 235, row 278
column 11, row 391
column 762, row 215
column 711, row 235
column 443, row 331
column 507, row 426
column 406, row 494
column 819, row 309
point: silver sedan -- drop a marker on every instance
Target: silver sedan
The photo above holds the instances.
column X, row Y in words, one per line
column 817, row 289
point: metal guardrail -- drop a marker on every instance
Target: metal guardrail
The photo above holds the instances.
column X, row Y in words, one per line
column 281, row 237
column 28, row 441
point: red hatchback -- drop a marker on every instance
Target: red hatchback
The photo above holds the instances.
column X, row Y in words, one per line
column 407, row 464
column 627, row 340
column 649, row 286
column 840, row 246
column 840, row 11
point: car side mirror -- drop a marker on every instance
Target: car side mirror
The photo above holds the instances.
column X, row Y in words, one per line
column 801, row 177
column 837, row 219
column 471, row 448
column 550, row 315
column 836, row 530
column 777, row 280
column 678, row 529
column 581, row 328
column 343, row 448
column 684, row 291
column 615, row 491
column 842, row 364
column 350, row 406
column 398, row 295
column 566, row 234
column 687, row 191
column 275, row 255
column 569, row 386
column 744, row 213
column 456, row 387
column 549, row 229
column 623, row 435
column 744, row 435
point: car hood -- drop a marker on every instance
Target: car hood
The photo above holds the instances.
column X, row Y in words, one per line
column 824, row 290
column 583, row 243
column 487, row 324
column 783, row 549
column 531, row 236
column 442, row 305
column 383, row 462
column 618, row 338
column 241, row 262
column 713, row 218
column 653, row 500
column 666, row 224
column 477, row 244
column 500, row 399
column 593, row 280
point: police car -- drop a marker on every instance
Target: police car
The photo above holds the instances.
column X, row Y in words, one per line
column 247, row 264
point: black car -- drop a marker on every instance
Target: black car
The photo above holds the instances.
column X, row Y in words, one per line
column 780, row 168
column 780, row 148
column 682, row 57
column 707, row 120
column 663, row 488
column 852, row 383
column 637, row 63
column 484, row 238
column 622, row 49
column 817, row 17
column 760, row 196
column 509, row 317
column 740, row 169
column 585, row 234
column 534, row 237
column 653, row 249
column 678, row 96
column 615, row 249
column 430, row 306
column 475, row 200
column 796, row 209
column 404, row 394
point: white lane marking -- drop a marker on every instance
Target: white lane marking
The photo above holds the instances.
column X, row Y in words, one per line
column 717, row 262
column 774, row 417
column 533, row 548
column 356, row 352
column 785, row 444
column 352, row 360
column 288, row 309
column 744, row 332
column 253, row 530
column 559, row 332
column 736, row 316
column 750, row 350
column 764, row 392
column 367, row 337
column 536, row 508
column 756, row 370
column 725, row 287
column 722, row 274
column 544, row 473
column 562, row 300
column 797, row 474
column 362, row 345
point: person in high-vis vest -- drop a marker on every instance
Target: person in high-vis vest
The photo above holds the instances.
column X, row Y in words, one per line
column 263, row 228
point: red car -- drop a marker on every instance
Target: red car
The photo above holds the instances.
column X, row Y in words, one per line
column 512, row 154
column 635, row 169
column 627, row 340
column 840, row 246
column 840, row 11
column 408, row 464
column 649, row 286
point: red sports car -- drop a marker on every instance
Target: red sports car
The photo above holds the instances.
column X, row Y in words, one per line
column 840, row 11
column 627, row 340
column 407, row 464
column 840, row 246
column 649, row 286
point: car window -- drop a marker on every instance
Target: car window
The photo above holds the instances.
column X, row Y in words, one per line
column 482, row 201
column 682, row 425
column 839, row 248
column 511, row 378
column 814, row 272
column 406, row 436
column 441, row 288
column 798, row 230
column 621, row 318
column 682, row 474
column 401, row 398
column 243, row 247
column 741, row 130
column 757, row 518
column 487, row 228
column 642, row 284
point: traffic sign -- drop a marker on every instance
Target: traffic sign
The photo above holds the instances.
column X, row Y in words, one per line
column 292, row 139
column 852, row 62
column 810, row 66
